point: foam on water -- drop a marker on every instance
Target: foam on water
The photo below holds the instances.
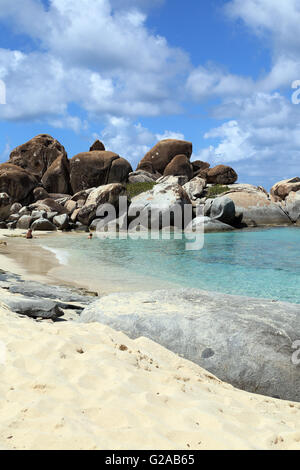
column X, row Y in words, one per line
column 258, row 263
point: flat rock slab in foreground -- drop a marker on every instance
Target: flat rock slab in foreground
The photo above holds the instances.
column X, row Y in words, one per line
column 246, row 342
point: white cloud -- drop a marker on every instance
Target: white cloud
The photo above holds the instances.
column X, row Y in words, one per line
column 170, row 135
column 129, row 139
column 102, row 58
column 264, row 140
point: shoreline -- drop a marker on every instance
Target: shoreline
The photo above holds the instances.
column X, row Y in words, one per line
column 71, row 360
column 42, row 264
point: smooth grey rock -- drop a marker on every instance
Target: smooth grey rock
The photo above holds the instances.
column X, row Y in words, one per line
column 24, row 222
column 258, row 209
column 38, row 290
column 43, row 225
column 141, row 176
column 38, row 215
column 195, row 187
column 246, row 342
column 34, row 308
column 207, row 225
column 61, row 221
column 171, row 180
column 223, row 209
column 50, row 216
column 155, row 208
column 292, row 205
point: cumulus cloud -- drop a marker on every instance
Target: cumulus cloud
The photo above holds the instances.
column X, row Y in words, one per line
column 92, row 53
column 263, row 143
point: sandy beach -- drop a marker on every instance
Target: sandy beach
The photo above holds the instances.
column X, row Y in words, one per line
column 73, row 386
column 67, row 385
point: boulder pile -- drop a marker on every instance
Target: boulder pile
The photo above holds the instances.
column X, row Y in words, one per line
column 40, row 188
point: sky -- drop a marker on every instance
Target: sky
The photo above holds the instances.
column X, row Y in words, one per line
column 218, row 73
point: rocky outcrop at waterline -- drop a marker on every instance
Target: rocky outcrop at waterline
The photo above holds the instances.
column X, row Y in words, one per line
column 41, row 179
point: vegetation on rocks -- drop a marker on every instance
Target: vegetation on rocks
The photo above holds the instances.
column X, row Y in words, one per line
column 216, row 190
column 134, row 189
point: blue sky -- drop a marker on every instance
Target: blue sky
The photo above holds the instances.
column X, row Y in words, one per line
column 131, row 72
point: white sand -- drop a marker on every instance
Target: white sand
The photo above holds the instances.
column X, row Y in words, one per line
column 69, row 386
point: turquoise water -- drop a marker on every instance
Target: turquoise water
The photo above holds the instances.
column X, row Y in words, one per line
column 258, row 263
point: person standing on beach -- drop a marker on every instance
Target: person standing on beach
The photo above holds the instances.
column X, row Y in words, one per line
column 29, row 234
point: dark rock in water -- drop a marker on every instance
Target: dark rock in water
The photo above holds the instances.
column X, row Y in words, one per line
column 34, row 308
column 37, row 155
column 3, row 225
column 252, row 339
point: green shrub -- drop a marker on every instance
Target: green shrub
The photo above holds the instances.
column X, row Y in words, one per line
column 134, row 189
column 216, row 190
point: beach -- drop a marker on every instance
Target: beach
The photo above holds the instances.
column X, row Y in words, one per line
column 67, row 385
column 70, row 386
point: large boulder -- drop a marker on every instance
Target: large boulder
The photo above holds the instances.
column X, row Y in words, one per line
column 223, row 209
column 292, row 205
column 203, row 224
column 16, row 182
column 57, row 177
column 199, row 166
column 40, row 193
column 220, row 174
column 283, row 188
column 5, row 206
column 158, row 208
column 246, row 342
column 37, row 155
column 195, row 187
column 179, row 165
column 157, row 159
column 61, row 221
column 97, row 145
column 141, row 176
column 33, row 307
column 120, row 169
column 24, row 222
column 43, row 225
column 257, row 208
column 48, row 205
column 97, row 168
column 107, row 194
